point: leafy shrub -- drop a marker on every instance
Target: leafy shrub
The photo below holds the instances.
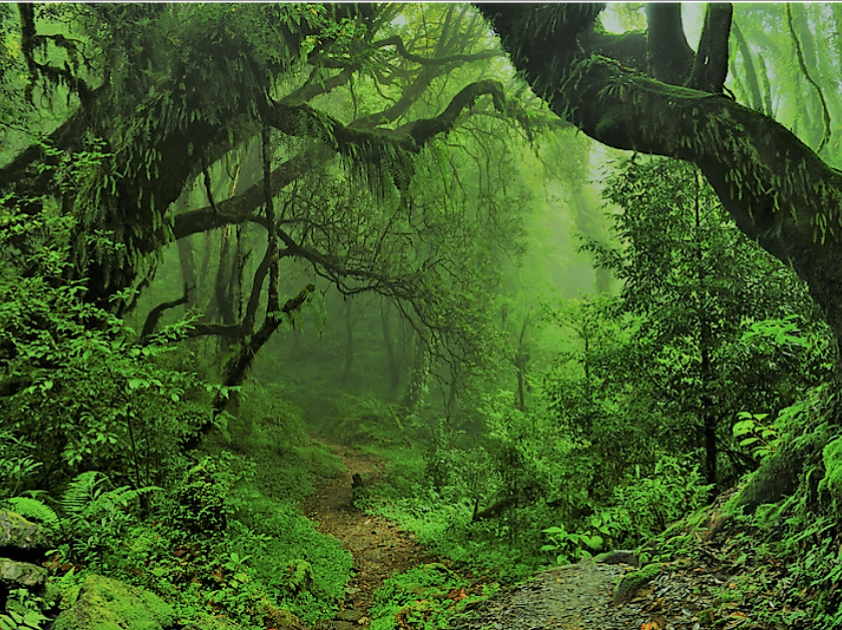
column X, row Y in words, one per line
column 646, row 504
column 18, row 466
column 368, row 420
column 422, row 598
column 200, row 499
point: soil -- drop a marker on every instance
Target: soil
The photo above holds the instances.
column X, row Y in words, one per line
column 380, row 548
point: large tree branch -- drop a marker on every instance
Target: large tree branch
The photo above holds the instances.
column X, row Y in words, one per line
column 240, row 208
column 151, row 323
column 376, row 146
column 777, row 190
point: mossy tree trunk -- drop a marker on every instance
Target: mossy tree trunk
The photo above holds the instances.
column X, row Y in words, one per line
column 777, row 190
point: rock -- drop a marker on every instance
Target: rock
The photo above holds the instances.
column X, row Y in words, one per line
column 21, row 574
column 344, row 625
column 634, row 581
column 18, row 533
column 619, row 556
column 106, row 604
column 349, row 615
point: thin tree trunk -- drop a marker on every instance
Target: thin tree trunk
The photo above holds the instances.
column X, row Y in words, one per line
column 349, row 341
column 709, row 419
column 394, row 373
column 188, row 267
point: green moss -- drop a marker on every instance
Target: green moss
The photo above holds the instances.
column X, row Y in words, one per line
column 634, row 581
column 17, row 532
column 213, row 623
column 106, row 604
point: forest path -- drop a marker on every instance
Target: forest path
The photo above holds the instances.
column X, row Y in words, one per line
column 572, row 597
column 380, row 548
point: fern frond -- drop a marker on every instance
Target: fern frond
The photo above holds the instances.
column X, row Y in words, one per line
column 119, row 497
column 34, row 509
column 81, row 493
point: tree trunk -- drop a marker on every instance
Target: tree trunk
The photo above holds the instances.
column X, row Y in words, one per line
column 394, row 372
column 777, row 190
column 349, row 341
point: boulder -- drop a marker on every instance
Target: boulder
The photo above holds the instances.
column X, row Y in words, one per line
column 632, row 582
column 21, row 574
column 106, row 604
column 619, row 556
column 17, row 533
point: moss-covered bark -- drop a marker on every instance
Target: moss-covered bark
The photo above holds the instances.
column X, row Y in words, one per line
column 776, row 188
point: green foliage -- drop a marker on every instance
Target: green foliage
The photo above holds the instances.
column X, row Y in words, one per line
column 423, row 598
column 34, row 510
column 647, row 505
column 95, row 519
column 570, row 546
column 723, row 325
column 367, row 420
column 91, row 396
column 762, row 439
column 832, row 480
column 199, row 499
column 17, row 465
column 24, row 610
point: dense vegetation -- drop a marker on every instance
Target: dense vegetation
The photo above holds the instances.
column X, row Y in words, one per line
column 228, row 229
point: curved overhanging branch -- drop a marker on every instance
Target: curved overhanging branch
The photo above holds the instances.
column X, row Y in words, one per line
column 397, row 42
column 775, row 187
column 378, row 145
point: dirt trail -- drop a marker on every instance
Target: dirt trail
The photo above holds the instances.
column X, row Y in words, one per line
column 379, row 547
column 686, row 594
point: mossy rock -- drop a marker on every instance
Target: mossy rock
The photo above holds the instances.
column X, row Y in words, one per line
column 106, row 604
column 18, row 533
column 618, row 556
column 21, row 574
column 634, row 581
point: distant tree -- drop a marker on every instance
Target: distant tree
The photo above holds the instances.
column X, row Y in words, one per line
column 698, row 284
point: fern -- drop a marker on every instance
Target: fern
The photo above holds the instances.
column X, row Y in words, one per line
column 85, row 497
column 81, row 493
column 35, row 510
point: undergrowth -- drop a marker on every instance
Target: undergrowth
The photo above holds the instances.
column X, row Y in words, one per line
column 424, row 598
